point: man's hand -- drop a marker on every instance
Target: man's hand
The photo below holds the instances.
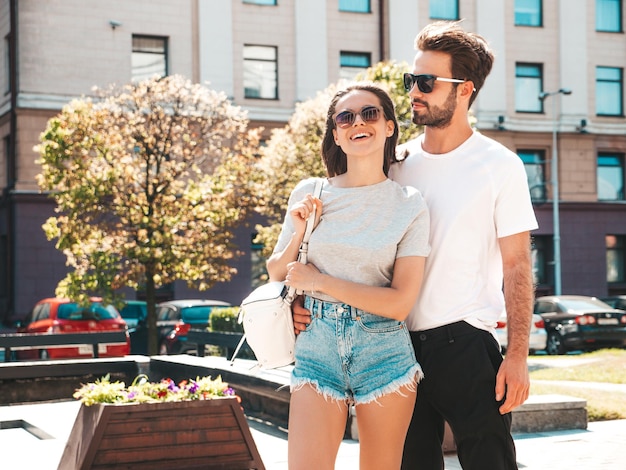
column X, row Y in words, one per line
column 512, row 380
column 301, row 316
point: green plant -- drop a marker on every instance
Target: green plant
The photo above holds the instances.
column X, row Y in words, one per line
column 225, row 320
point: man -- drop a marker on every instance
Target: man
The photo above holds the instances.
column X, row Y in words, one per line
column 481, row 215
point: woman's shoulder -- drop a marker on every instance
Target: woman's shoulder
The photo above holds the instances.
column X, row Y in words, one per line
column 305, row 186
column 406, row 192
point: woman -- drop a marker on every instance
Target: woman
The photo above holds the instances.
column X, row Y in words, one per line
column 366, row 260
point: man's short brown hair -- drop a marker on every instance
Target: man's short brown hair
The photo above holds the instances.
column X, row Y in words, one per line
column 470, row 55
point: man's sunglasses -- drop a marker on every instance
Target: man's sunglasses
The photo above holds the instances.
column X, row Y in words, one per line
column 425, row 83
column 369, row 114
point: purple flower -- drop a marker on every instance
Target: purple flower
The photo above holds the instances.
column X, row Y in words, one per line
column 172, row 387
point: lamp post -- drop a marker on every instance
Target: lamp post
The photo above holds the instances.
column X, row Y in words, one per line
column 554, row 170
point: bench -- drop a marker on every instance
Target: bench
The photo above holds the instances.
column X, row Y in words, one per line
column 203, row 338
column 57, row 379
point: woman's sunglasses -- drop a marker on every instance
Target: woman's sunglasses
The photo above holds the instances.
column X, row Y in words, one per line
column 425, row 83
column 369, row 114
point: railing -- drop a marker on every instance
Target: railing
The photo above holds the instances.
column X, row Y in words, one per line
column 19, row 341
column 223, row 339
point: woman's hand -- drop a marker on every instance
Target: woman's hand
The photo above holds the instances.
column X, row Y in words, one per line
column 305, row 277
column 301, row 211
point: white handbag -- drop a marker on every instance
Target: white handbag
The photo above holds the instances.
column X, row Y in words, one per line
column 266, row 313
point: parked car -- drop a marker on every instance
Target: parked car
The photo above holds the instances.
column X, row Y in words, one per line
column 134, row 313
column 58, row 315
column 576, row 322
column 538, row 335
column 176, row 317
column 615, row 301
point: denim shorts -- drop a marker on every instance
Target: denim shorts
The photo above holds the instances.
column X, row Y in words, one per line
column 350, row 355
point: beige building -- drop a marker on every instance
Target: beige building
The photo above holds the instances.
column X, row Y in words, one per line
column 268, row 55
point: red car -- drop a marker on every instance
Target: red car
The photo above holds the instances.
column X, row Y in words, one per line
column 57, row 315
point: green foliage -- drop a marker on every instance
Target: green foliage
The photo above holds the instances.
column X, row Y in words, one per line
column 150, row 181
column 225, row 320
column 293, row 153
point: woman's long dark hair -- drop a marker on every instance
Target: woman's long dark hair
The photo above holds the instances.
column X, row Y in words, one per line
column 333, row 156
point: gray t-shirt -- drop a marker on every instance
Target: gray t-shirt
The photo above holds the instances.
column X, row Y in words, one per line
column 363, row 230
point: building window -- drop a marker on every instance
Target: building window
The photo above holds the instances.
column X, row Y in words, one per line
column 534, row 164
column 615, row 258
column 260, row 72
column 541, row 254
column 528, row 13
column 609, row 16
column 261, row 2
column 149, row 57
column 528, row 86
column 610, row 177
column 357, row 6
column 352, row 63
column 444, row 9
column 609, row 97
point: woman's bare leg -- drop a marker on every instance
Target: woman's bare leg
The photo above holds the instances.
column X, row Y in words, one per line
column 316, row 428
column 382, row 428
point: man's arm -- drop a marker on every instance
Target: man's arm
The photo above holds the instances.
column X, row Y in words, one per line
column 301, row 316
column 512, row 378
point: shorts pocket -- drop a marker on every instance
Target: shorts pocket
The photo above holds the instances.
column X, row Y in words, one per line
column 376, row 324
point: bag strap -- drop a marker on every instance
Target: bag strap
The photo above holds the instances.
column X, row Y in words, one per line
column 302, row 258
column 304, row 246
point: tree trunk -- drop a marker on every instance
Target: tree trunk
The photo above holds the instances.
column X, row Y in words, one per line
column 153, row 340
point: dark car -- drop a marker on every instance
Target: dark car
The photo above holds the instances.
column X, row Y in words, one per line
column 176, row 317
column 576, row 322
column 615, row 301
column 59, row 315
column 134, row 313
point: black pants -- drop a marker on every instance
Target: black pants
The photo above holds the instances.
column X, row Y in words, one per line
column 460, row 363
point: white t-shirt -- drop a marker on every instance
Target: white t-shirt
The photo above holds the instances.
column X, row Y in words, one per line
column 476, row 194
column 362, row 230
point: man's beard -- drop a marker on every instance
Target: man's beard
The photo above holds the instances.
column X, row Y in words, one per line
column 437, row 117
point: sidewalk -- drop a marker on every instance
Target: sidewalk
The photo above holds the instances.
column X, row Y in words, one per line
column 600, row 447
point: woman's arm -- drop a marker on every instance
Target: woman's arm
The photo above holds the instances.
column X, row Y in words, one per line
column 395, row 301
column 299, row 213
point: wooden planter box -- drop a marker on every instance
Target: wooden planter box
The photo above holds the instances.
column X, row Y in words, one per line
column 207, row 434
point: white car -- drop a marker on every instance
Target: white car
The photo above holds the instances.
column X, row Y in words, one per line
column 538, row 334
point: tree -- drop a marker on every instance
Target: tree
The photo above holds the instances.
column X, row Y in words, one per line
column 294, row 152
column 150, row 180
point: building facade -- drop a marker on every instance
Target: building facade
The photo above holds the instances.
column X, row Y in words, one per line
column 555, row 97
